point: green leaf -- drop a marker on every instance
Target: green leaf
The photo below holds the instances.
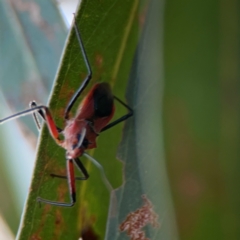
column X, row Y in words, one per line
column 110, row 32
column 201, row 116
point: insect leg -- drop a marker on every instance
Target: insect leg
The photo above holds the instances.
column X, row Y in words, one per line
column 123, row 118
column 85, row 173
column 88, row 77
column 65, row 177
column 47, row 115
column 80, row 167
column 33, row 104
column 71, row 185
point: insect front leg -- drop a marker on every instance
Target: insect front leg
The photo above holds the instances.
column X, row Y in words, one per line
column 47, row 116
column 80, row 167
column 71, row 186
column 33, row 104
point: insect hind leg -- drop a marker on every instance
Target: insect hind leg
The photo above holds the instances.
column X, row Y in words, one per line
column 88, row 77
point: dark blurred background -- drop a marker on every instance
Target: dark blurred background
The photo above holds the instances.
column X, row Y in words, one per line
column 202, row 116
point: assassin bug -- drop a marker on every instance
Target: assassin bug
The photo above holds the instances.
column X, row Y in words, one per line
column 80, row 133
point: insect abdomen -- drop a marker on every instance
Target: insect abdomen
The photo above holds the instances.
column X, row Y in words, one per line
column 103, row 100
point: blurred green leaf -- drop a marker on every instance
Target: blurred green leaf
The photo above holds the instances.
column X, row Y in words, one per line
column 201, row 116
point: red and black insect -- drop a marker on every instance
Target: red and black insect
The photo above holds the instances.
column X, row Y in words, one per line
column 80, row 133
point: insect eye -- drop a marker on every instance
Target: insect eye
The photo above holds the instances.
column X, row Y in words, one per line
column 85, row 143
column 74, row 146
